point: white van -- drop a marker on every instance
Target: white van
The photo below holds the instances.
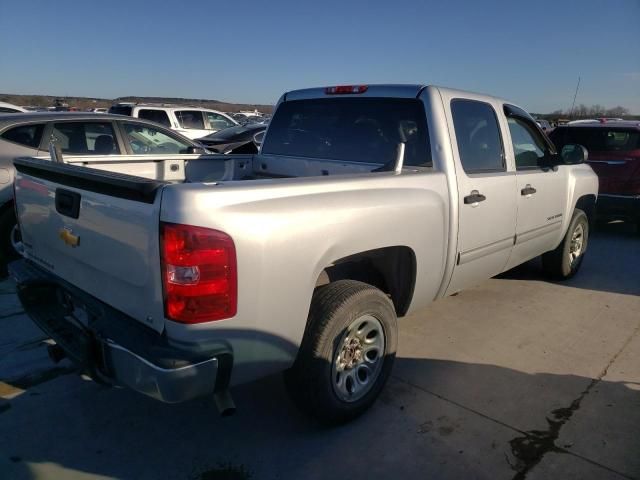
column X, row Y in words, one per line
column 192, row 122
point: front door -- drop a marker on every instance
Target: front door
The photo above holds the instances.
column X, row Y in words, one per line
column 542, row 191
column 486, row 191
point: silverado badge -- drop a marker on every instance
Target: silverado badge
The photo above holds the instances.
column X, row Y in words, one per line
column 68, row 237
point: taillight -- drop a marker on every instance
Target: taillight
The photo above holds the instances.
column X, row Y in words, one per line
column 199, row 273
column 344, row 89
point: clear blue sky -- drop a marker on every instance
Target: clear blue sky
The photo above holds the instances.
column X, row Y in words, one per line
column 243, row 51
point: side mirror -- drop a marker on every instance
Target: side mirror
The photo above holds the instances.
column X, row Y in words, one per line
column 193, row 150
column 573, row 154
column 258, row 137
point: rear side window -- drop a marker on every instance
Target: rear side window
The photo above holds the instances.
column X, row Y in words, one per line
column 478, row 136
column 366, row 130
column 27, row 135
column 597, row 139
column 158, row 116
column 190, row 119
column 86, row 138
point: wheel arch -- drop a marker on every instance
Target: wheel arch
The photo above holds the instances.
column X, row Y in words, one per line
column 587, row 203
column 390, row 269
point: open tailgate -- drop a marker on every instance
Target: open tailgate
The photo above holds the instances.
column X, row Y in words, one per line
column 97, row 230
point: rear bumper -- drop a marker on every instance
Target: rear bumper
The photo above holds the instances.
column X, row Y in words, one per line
column 112, row 347
column 619, row 205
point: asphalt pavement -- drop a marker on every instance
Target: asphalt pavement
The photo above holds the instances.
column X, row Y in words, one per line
column 516, row 378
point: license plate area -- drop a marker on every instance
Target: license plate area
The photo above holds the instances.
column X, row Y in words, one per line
column 66, row 321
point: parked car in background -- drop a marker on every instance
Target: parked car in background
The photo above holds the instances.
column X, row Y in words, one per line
column 79, row 135
column 240, row 139
column 11, row 108
column 192, row 122
column 98, row 110
column 244, row 118
column 365, row 204
column 614, row 154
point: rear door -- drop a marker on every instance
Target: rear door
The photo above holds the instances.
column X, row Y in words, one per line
column 96, row 230
column 486, row 191
column 82, row 137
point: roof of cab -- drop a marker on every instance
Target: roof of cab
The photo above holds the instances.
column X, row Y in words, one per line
column 382, row 90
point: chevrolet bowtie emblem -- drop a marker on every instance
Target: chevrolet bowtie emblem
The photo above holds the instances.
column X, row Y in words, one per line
column 69, row 238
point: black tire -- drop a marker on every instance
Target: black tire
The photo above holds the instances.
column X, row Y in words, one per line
column 334, row 307
column 557, row 263
column 7, row 252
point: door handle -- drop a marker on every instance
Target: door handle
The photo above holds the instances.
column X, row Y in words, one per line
column 527, row 190
column 474, row 197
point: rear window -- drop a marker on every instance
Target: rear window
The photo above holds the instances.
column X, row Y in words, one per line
column 158, row 116
column 597, row 139
column 366, row 130
column 121, row 110
column 27, row 135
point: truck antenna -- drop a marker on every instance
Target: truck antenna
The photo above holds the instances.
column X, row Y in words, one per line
column 574, row 99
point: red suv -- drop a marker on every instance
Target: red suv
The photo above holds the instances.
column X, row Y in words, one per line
column 614, row 154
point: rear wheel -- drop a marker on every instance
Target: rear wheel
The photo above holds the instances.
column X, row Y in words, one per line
column 347, row 352
column 564, row 262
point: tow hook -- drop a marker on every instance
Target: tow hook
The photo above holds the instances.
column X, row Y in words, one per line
column 224, row 403
column 56, row 353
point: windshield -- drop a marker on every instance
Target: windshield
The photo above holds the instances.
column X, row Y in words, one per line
column 351, row 129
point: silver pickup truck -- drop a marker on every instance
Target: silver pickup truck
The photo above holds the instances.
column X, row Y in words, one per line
column 365, row 204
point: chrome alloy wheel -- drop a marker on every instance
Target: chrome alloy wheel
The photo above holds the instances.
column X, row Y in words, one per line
column 359, row 358
column 577, row 243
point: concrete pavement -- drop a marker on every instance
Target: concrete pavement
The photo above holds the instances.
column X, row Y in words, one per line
column 516, row 378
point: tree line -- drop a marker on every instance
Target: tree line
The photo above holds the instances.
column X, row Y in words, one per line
column 585, row 111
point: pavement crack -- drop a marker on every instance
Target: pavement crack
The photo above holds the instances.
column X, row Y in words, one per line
column 530, row 448
column 459, row 405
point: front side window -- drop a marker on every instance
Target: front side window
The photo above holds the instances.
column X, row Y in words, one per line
column 528, row 147
column 9, row 110
column 158, row 116
column 218, row 122
column 367, row 130
column 26, row 135
column 478, row 136
column 192, row 119
column 145, row 140
column 86, row 138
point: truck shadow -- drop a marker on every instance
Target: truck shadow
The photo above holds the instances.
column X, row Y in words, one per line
column 435, row 419
column 611, row 264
